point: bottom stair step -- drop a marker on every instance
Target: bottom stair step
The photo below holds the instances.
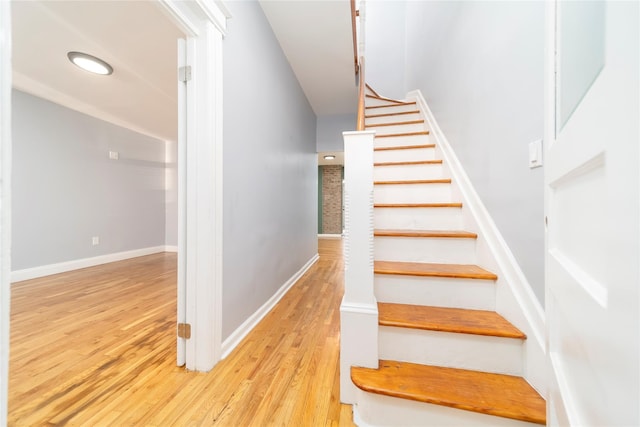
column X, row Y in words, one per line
column 492, row 394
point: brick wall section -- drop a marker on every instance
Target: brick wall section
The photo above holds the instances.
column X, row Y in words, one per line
column 332, row 199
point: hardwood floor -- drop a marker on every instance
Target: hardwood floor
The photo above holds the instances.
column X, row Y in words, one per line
column 97, row 347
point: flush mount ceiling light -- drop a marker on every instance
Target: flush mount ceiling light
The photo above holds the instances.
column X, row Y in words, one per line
column 329, row 157
column 90, row 63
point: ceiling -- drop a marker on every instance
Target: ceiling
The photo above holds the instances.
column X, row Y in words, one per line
column 140, row 42
column 339, row 160
column 136, row 38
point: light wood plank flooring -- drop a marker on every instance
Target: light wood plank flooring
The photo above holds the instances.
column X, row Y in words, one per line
column 97, row 347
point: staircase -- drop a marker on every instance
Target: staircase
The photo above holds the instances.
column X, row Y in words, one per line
column 445, row 356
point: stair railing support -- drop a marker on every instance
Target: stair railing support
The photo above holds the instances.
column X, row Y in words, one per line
column 359, row 309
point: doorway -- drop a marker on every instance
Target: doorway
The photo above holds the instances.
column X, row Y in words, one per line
column 204, row 26
column 330, row 194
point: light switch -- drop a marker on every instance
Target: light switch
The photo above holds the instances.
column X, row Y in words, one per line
column 113, row 155
column 535, row 154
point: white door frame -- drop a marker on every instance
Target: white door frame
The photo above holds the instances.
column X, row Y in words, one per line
column 5, row 201
column 200, row 183
column 181, row 297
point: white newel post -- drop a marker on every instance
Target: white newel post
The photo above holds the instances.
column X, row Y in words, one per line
column 359, row 310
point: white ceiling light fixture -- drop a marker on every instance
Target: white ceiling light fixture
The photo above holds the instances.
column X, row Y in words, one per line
column 329, row 157
column 90, row 63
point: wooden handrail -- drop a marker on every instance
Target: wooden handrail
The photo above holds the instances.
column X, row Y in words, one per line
column 362, row 84
column 359, row 66
column 372, row 91
column 354, row 13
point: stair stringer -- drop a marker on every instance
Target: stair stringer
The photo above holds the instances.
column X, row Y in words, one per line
column 515, row 299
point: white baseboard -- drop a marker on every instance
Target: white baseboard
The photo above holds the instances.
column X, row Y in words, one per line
column 61, row 267
column 329, row 236
column 171, row 248
column 238, row 335
column 357, row 419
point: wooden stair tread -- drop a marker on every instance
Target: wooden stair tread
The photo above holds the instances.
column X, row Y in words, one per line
column 493, row 394
column 415, row 181
column 371, row 116
column 445, row 319
column 456, row 234
column 412, row 162
column 390, row 105
column 410, row 122
column 392, row 135
column 418, row 205
column 461, row 271
column 404, row 147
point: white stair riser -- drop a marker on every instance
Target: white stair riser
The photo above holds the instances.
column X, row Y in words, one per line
column 370, row 102
column 379, row 410
column 418, row 218
column 390, row 119
column 397, row 141
column 453, row 350
column 399, row 128
column 425, row 249
column 389, row 109
column 404, row 155
column 412, row 193
column 408, row 172
column 472, row 294
column 374, row 102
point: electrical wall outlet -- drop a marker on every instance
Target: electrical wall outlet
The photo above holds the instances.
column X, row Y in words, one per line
column 114, row 155
column 95, row 240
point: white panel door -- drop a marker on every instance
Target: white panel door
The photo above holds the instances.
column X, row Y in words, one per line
column 592, row 194
column 181, row 343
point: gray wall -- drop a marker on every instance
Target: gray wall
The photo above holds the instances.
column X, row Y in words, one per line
column 329, row 131
column 171, row 195
column 270, row 168
column 66, row 190
column 480, row 67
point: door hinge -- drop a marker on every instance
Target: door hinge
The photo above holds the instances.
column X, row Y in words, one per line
column 184, row 73
column 184, row 330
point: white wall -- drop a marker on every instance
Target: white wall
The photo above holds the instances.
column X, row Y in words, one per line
column 66, row 190
column 385, row 47
column 480, row 67
column 329, row 131
column 270, row 168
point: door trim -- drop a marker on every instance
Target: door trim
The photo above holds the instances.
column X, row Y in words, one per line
column 200, row 180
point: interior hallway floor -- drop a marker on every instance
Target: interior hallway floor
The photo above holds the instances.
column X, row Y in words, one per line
column 97, row 347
